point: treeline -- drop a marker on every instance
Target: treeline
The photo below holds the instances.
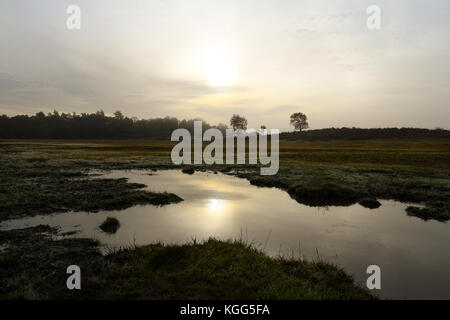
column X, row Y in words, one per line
column 92, row 126
column 100, row 126
column 365, row 134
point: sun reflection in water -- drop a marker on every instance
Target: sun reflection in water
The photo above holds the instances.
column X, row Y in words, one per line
column 216, row 205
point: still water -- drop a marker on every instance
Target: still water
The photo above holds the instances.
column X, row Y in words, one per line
column 414, row 255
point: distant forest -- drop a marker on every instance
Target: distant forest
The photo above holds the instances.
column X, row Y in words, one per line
column 92, row 126
column 100, row 126
column 365, row 134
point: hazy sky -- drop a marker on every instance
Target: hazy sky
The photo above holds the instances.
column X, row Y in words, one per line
column 210, row 59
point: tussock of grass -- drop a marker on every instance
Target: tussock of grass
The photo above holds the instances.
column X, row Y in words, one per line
column 369, row 203
column 110, row 225
column 327, row 193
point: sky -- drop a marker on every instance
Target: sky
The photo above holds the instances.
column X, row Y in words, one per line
column 210, row 59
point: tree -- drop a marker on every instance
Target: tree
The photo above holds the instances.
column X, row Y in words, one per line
column 238, row 122
column 299, row 121
column 118, row 115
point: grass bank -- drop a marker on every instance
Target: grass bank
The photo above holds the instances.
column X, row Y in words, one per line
column 33, row 266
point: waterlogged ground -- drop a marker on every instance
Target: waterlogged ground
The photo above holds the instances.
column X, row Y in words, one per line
column 413, row 254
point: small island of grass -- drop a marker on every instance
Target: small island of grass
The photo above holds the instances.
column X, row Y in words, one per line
column 110, row 225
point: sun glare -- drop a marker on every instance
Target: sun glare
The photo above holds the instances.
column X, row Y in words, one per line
column 215, row 205
column 219, row 69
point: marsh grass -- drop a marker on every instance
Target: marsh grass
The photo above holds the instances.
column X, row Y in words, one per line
column 232, row 269
column 49, row 176
column 42, row 177
column 427, row 214
column 33, row 267
column 38, row 187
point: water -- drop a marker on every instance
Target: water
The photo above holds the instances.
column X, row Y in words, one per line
column 413, row 255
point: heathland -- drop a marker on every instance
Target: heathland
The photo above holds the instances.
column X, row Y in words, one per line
column 50, row 176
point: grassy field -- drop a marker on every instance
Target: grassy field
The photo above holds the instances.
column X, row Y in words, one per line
column 44, row 177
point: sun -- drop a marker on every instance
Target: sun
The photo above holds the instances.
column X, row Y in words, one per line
column 219, row 69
